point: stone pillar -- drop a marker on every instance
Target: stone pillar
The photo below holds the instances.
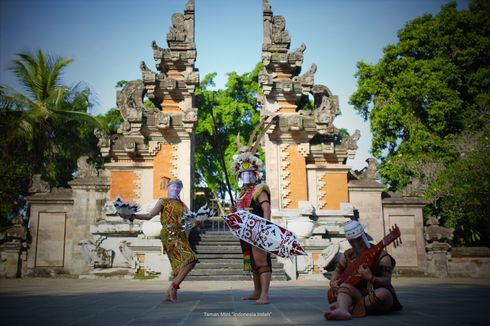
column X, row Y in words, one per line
column 13, row 251
column 49, row 215
column 406, row 212
column 90, row 192
column 365, row 195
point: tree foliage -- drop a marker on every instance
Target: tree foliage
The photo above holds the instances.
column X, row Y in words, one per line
column 428, row 103
column 235, row 111
column 45, row 127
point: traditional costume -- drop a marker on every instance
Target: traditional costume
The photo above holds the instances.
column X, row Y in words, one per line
column 173, row 237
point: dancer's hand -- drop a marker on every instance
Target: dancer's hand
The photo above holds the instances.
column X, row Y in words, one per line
column 129, row 217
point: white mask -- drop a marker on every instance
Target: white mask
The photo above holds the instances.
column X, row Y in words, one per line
column 173, row 191
column 248, row 177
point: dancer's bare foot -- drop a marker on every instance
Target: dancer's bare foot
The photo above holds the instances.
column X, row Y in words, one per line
column 262, row 300
column 171, row 294
column 252, row 296
column 333, row 306
column 337, row 314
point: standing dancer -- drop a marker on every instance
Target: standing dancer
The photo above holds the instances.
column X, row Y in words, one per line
column 175, row 243
column 255, row 198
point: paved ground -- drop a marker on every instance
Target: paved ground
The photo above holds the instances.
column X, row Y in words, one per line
column 132, row 302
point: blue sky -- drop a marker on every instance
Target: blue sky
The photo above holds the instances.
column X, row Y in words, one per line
column 109, row 38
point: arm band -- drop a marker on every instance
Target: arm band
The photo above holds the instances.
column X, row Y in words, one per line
column 264, row 201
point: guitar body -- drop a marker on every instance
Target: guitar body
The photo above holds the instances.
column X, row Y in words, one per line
column 367, row 258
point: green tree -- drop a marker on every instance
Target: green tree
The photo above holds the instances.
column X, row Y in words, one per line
column 428, row 103
column 44, row 128
column 235, row 111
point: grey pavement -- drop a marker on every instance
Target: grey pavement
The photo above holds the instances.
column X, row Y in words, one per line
column 44, row 301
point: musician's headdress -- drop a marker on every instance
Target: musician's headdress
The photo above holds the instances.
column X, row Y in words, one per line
column 246, row 160
column 353, row 230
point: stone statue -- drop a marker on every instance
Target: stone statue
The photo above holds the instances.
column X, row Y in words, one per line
column 104, row 140
column 279, row 32
column 38, row 185
column 85, row 169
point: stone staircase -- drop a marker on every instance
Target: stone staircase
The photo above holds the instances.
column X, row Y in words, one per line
column 220, row 258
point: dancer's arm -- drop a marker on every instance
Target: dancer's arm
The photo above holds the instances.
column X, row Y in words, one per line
column 145, row 216
column 265, row 204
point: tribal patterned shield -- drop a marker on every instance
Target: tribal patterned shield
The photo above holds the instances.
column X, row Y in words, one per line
column 264, row 234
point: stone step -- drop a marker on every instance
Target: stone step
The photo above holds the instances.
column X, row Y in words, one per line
column 208, row 264
column 218, row 249
column 243, row 277
column 218, row 256
column 218, row 278
column 221, row 260
column 214, row 239
column 216, row 271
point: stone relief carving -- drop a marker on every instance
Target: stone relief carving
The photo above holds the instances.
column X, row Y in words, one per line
column 130, row 147
column 162, row 120
column 190, row 115
column 94, row 255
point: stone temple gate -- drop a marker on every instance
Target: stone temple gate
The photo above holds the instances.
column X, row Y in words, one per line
column 77, row 231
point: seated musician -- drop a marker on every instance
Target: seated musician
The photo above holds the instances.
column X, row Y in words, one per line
column 374, row 294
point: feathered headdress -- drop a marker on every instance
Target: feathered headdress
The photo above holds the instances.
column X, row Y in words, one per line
column 246, row 160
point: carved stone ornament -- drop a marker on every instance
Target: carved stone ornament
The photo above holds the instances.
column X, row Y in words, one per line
column 177, row 31
column 351, row 141
column 148, row 75
column 130, row 101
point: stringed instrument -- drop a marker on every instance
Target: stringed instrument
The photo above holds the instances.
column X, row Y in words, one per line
column 367, row 258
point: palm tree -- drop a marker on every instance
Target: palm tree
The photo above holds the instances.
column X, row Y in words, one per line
column 46, row 113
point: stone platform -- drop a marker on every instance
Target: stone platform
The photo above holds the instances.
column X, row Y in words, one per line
column 38, row 301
